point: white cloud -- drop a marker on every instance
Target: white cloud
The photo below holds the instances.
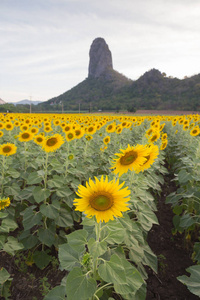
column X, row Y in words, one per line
column 45, row 44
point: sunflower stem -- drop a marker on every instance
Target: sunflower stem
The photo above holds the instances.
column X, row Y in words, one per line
column 25, row 156
column 98, row 232
column 45, row 172
column 3, row 173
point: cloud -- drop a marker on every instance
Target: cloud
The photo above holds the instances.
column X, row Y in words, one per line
column 45, row 45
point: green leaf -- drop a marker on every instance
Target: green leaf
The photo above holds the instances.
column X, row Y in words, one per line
column 192, row 282
column 146, row 216
column 184, row 176
column 57, row 293
column 41, row 259
column 113, row 233
column 88, row 221
column 50, row 210
column 136, row 252
column 77, row 240
column 79, row 285
column 64, row 219
column 150, row 259
column 40, row 194
column 30, row 241
column 112, row 271
column 57, row 181
column 13, row 173
column 2, row 241
column 4, row 275
column 13, row 190
column 31, row 218
column 57, row 166
column 8, row 225
column 186, row 221
column 97, row 248
column 3, row 215
column 75, row 183
column 34, row 178
column 173, row 198
column 26, row 193
column 177, row 210
column 12, row 245
column 68, row 257
column 196, row 253
column 134, row 280
column 46, row 237
column 63, row 192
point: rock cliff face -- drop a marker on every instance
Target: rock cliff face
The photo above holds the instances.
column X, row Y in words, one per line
column 100, row 59
column 2, row 101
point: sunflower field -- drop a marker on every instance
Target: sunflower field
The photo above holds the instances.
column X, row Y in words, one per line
column 78, row 195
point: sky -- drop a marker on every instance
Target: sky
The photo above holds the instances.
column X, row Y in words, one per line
column 44, row 44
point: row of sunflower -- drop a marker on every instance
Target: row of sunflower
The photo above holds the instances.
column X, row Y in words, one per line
column 183, row 157
column 49, row 160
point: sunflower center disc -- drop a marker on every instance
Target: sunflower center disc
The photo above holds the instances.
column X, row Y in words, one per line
column 6, row 149
column 25, row 136
column 128, row 158
column 51, row 142
column 70, row 136
column 101, row 202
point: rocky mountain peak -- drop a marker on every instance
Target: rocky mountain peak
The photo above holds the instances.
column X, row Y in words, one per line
column 2, row 101
column 100, row 58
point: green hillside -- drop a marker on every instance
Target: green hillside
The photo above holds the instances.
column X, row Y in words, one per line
column 113, row 91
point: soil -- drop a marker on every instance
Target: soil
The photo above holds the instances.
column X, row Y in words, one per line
column 31, row 283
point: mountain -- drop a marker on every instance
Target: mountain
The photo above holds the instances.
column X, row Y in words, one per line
column 2, row 101
column 26, row 101
column 107, row 89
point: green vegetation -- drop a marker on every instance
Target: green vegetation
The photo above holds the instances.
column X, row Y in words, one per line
column 113, row 91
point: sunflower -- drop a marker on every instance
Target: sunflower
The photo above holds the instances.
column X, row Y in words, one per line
column 34, row 130
column 195, row 131
column 16, row 123
column 155, row 136
column 91, row 129
column 24, row 127
column 163, row 145
column 25, row 136
column 70, row 136
column 52, row 143
column 111, row 127
column 88, row 137
column 9, row 126
column 47, row 128
column 56, row 122
column 131, row 158
column 79, row 133
column 149, row 132
column 39, row 139
column 1, row 133
column 71, row 156
column 102, row 199
column 1, row 125
column 164, row 136
column 150, row 158
column 5, row 202
column 118, row 129
column 106, row 140
column 8, row 149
